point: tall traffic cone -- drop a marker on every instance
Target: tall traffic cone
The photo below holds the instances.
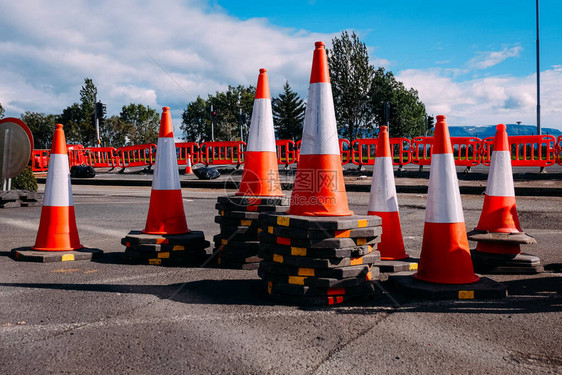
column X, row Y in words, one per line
column 499, row 213
column 499, row 232
column 384, row 203
column 57, row 228
column 319, row 188
column 165, row 213
column 261, row 173
column 445, row 255
column 188, row 166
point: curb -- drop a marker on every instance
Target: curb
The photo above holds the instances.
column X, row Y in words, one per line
column 414, row 189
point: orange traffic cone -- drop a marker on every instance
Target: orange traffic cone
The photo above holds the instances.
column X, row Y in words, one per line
column 319, row 188
column 499, row 213
column 383, row 201
column 57, row 228
column 188, row 167
column 261, row 173
column 165, row 213
column 445, row 255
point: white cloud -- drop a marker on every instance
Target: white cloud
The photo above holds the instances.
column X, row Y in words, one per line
column 490, row 100
column 488, row 59
column 54, row 45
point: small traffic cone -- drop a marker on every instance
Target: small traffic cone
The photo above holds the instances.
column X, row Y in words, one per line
column 319, row 188
column 165, row 213
column 188, row 167
column 261, row 173
column 384, row 203
column 499, row 213
column 445, row 255
column 57, row 228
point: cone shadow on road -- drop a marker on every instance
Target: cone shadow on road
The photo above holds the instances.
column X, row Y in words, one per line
column 530, row 295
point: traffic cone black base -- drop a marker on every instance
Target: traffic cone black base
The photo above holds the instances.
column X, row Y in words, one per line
column 393, row 266
column 26, row 254
column 506, row 264
column 484, row 288
column 162, row 250
column 319, row 260
column 237, row 244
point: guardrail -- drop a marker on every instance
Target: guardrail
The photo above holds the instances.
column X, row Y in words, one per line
column 188, row 148
column 217, row 153
column 137, row 156
column 102, row 157
column 559, row 150
column 286, row 152
column 527, row 151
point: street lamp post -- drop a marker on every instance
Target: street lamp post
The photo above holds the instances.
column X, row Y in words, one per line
column 518, row 123
column 538, row 77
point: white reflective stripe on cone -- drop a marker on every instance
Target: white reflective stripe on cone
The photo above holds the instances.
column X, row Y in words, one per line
column 500, row 176
column 383, row 189
column 320, row 134
column 262, row 135
column 58, row 192
column 166, row 174
column 443, row 198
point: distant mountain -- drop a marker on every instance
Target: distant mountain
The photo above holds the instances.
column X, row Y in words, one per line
column 490, row 130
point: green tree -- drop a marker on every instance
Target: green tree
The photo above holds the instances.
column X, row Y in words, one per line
column 407, row 114
column 360, row 92
column 351, row 76
column 196, row 122
column 1, row 111
column 78, row 119
column 142, row 123
column 42, row 127
column 196, row 118
column 116, row 132
column 288, row 114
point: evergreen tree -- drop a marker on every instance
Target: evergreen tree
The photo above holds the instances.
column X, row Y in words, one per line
column 288, row 114
column 78, row 119
column 351, row 76
column 1, row 111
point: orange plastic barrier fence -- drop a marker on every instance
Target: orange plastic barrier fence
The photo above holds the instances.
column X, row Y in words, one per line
column 345, row 150
column 466, row 150
column 559, row 150
column 286, row 151
column 363, row 151
column 76, row 155
column 188, row 148
column 228, row 152
column 136, row 156
column 40, row 160
column 102, row 157
column 526, row 150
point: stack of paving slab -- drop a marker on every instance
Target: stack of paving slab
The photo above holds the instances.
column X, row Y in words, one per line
column 319, row 260
column 19, row 198
column 237, row 243
column 166, row 250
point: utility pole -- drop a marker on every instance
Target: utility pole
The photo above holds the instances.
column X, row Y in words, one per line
column 538, row 77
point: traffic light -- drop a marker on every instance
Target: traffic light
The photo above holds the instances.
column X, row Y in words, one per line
column 101, row 109
column 430, row 123
column 213, row 114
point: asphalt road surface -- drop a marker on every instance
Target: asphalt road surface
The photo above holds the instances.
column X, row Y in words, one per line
column 107, row 316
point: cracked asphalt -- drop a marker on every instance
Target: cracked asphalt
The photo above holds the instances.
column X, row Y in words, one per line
column 110, row 317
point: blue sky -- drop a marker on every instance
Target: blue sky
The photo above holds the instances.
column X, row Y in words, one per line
column 472, row 61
